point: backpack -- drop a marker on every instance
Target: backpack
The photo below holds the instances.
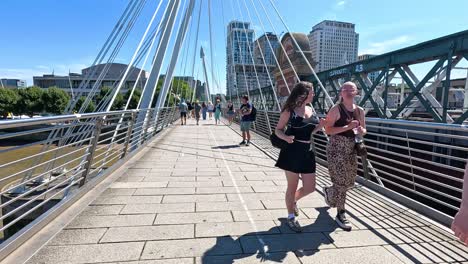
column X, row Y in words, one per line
column 253, row 114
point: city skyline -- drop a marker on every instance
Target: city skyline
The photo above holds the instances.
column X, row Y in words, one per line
column 70, row 46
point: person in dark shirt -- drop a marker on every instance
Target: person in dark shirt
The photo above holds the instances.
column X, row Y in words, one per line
column 246, row 120
column 197, row 108
column 297, row 159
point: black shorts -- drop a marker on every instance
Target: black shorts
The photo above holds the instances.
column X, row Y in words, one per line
column 297, row 157
column 183, row 114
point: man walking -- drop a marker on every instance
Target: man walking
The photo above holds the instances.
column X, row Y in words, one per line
column 245, row 111
column 197, row 109
column 183, row 108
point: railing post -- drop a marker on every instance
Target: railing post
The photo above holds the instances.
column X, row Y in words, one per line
column 91, row 150
column 129, row 134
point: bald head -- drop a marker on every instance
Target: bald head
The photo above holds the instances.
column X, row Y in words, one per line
column 349, row 85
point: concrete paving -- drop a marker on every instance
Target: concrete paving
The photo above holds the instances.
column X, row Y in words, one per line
column 197, row 197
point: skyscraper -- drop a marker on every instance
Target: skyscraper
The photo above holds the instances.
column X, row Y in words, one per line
column 242, row 53
column 333, row 44
column 239, row 42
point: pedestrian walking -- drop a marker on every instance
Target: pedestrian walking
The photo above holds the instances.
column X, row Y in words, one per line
column 183, row 108
column 197, row 108
column 297, row 159
column 246, row 112
column 217, row 111
column 230, row 112
column 210, row 109
column 344, row 123
column 204, row 110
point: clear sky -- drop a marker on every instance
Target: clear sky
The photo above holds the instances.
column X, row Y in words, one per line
column 39, row 37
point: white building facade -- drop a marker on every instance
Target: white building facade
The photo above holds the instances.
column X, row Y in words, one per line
column 333, row 43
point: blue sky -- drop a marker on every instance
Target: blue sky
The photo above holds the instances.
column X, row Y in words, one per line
column 39, row 37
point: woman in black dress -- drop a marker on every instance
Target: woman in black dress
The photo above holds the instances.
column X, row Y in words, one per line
column 297, row 159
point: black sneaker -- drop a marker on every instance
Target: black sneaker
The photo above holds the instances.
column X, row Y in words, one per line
column 248, row 143
column 296, row 210
column 342, row 221
column 325, row 195
column 242, row 143
column 294, row 225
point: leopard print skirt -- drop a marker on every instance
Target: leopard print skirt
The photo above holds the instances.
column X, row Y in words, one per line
column 342, row 166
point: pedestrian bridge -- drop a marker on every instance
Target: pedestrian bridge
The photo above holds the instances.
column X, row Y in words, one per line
column 190, row 194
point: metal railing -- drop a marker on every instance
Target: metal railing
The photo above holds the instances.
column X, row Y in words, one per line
column 46, row 160
column 421, row 162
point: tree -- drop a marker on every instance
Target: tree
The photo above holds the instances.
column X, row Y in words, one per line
column 180, row 88
column 90, row 108
column 104, row 93
column 55, row 100
column 8, row 100
column 135, row 98
column 30, row 101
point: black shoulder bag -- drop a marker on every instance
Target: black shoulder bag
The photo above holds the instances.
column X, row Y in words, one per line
column 278, row 142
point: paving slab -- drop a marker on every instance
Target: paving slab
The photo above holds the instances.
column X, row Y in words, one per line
column 88, row 253
column 158, row 208
column 199, row 217
column 92, row 221
column 127, row 200
column 373, row 254
column 191, row 248
column 144, row 233
column 236, row 229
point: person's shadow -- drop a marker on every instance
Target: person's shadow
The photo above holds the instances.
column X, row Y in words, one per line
column 274, row 244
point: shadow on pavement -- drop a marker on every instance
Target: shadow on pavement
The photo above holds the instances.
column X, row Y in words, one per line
column 274, row 244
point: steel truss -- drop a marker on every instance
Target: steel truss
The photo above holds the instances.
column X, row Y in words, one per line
column 426, row 97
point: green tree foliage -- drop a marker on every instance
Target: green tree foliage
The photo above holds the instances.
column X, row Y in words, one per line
column 8, row 101
column 55, row 100
column 90, row 108
column 180, row 89
column 135, row 98
column 30, row 101
column 105, row 92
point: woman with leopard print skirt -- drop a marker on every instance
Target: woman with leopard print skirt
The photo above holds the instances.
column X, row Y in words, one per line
column 344, row 122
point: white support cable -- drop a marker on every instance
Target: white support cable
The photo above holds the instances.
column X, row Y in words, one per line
column 207, row 88
column 264, row 59
column 111, row 59
column 186, row 58
column 327, row 96
column 179, row 42
column 54, row 133
column 281, row 45
column 195, row 86
column 274, row 53
column 255, row 71
column 102, row 53
column 232, row 55
column 142, row 68
column 130, row 65
column 148, row 52
column 164, row 37
column 195, row 46
column 211, row 45
column 242, row 61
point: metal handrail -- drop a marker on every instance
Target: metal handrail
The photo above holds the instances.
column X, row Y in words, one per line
column 428, row 172
column 90, row 144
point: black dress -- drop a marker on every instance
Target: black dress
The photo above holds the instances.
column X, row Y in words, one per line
column 297, row 157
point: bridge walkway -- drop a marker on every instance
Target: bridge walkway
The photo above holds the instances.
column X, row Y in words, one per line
column 195, row 196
